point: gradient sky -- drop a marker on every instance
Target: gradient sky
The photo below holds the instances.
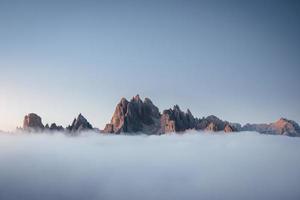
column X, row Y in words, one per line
column 239, row 60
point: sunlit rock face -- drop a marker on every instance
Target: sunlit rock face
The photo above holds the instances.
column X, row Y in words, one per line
column 281, row 127
column 229, row 128
column 175, row 120
column 135, row 116
column 285, row 127
column 33, row 122
column 80, row 124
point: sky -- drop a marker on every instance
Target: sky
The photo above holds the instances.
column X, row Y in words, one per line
column 239, row 60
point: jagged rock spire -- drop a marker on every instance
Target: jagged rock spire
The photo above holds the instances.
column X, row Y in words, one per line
column 135, row 116
column 175, row 120
column 79, row 124
column 33, row 122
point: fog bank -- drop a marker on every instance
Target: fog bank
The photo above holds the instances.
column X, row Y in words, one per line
column 192, row 166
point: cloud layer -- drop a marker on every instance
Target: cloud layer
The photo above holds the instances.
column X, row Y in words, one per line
column 190, row 166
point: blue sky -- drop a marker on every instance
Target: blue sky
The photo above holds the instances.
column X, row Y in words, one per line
column 235, row 59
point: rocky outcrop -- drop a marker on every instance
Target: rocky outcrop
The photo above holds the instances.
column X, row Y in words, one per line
column 175, row 120
column 229, row 128
column 142, row 116
column 236, row 126
column 212, row 127
column 213, row 124
column 281, row 127
column 80, row 124
column 261, row 128
column 53, row 127
column 285, row 127
column 33, row 122
column 134, row 116
column 137, row 116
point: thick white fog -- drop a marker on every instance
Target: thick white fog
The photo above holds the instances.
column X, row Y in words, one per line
column 191, row 166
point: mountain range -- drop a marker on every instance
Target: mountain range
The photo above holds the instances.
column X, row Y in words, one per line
column 142, row 116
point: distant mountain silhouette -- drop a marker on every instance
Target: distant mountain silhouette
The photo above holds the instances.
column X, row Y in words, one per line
column 138, row 116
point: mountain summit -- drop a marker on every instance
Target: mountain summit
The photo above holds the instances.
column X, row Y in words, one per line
column 134, row 116
column 32, row 122
column 142, row 116
column 281, row 127
column 79, row 124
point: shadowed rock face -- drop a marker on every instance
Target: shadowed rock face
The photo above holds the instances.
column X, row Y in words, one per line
column 142, row 116
column 212, row 127
column 213, row 124
column 135, row 116
column 54, row 127
column 79, row 124
column 33, row 122
column 281, row 127
column 261, row 128
column 175, row 120
column 229, row 128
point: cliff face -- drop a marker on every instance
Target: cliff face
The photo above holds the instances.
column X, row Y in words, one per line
column 142, row 116
column 285, row 127
column 135, row 116
column 213, row 124
column 281, row 127
column 32, row 122
column 79, row 124
column 175, row 120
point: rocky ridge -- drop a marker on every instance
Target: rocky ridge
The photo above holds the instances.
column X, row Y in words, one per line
column 32, row 122
column 134, row 116
column 79, row 124
column 281, row 127
column 142, row 116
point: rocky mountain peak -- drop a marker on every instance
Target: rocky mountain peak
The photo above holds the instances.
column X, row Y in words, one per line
column 175, row 120
column 137, row 99
column 176, row 108
column 282, row 126
column 124, row 101
column 33, row 122
column 213, row 123
column 79, row 124
column 148, row 101
column 134, row 116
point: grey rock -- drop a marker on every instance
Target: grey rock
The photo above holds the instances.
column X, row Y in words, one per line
column 54, row 127
column 212, row 127
column 282, row 126
column 80, row 124
column 175, row 120
column 229, row 128
column 33, row 122
column 134, row 116
column 213, row 124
